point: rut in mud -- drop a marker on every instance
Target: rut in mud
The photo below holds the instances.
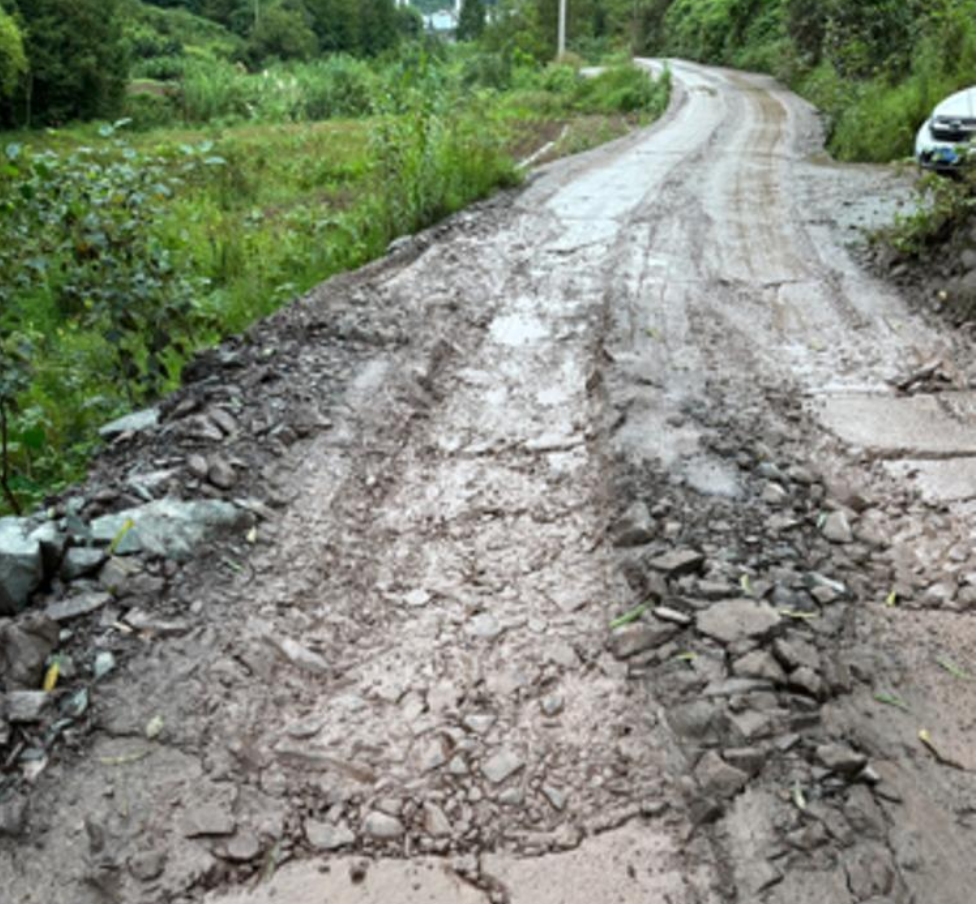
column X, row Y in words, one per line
column 652, row 382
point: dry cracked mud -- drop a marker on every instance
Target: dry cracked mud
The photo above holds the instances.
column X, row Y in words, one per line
column 614, row 544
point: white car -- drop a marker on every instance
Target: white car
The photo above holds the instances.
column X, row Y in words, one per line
column 945, row 141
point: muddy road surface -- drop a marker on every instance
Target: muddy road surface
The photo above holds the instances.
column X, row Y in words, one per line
column 615, row 546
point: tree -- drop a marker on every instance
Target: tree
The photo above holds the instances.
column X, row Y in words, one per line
column 283, row 32
column 471, row 22
column 13, row 60
column 78, row 64
column 377, row 26
column 336, row 22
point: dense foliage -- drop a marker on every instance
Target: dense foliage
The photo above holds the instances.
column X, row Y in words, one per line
column 123, row 251
column 876, row 67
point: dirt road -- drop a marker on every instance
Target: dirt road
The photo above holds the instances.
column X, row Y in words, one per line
column 654, row 376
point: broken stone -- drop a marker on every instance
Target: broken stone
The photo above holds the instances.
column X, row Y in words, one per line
column 21, row 566
column 718, row 778
column 552, row 705
column 837, row 529
column 207, row 820
column 733, row 621
column 433, row 755
column 774, row 494
column 484, row 626
column 224, row 420
column 243, row 847
column 808, row 681
column 652, row 809
column 13, row 816
column 80, row 562
column 137, row 422
column 501, row 766
column 555, row 797
column 117, row 575
column 635, row 527
column 863, row 813
column 759, row 664
column 794, row 653
column 694, row 721
column 870, row 873
column 382, row 827
column 324, row 836
column 76, row 606
column 300, row 656
column 747, row 759
column 480, row 723
column 512, row 797
column 630, row 640
column 53, row 543
column 841, row 759
column 715, row 590
column 24, row 648
column 664, row 613
column 147, row 865
column 151, row 624
column 417, row 599
column 754, row 726
column 25, row 707
column 809, row 837
column 436, row 822
column 678, row 562
column 169, row 528
column 222, row 474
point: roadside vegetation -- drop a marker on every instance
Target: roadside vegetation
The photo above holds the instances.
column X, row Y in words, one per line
column 875, row 67
column 226, row 165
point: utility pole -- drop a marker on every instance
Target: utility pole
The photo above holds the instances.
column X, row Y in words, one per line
column 562, row 29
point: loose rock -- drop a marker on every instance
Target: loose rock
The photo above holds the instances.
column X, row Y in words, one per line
column 837, row 528
column 719, row 778
column 382, row 827
column 24, row 648
column 635, row 527
column 324, row 836
column 733, row 621
column 501, row 766
column 21, row 567
column 633, row 639
column 678, row 562
column 841, row 759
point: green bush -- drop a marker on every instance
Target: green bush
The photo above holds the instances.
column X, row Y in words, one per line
column 89, row 285
column 624, row 89
column 161, row 68
column 150, row 111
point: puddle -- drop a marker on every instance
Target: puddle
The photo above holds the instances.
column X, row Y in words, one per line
column 518, row 329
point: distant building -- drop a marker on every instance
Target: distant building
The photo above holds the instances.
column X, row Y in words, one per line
column 444, row 22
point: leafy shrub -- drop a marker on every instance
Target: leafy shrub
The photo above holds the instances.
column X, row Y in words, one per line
column 946, row 207
column 87, row 281
column 160, row 68
column 432, row 157
column 624, row 89
column 148, row 110
column 560, row 78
